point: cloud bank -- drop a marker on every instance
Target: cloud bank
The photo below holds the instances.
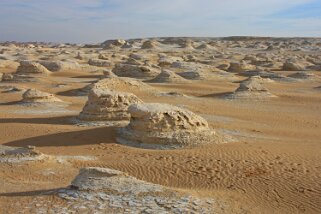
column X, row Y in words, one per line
column 97, row 20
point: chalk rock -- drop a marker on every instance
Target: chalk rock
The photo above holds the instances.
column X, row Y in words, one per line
column 19, row 154
column 94, row 178
column 251, row 89
column 292, row 66
column 99, row 62
column 237, row 67
column 36, row 96
column 162, row 126
column 56, row 66
column 135, row 71
column 29, row 67
column 150, row 44
column 107, row 105
column 167, row 76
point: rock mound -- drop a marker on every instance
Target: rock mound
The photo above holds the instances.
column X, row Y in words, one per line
column 124, row 84
column 150, row 44
column 18, row 154
column 193, row 75
column 188, row 44
column 96, row 189
column 29, row 67
column 163, row 126
column 167, row 76
column 251, row 89
column 107, row 105
column 303, row 75
column 36, row 96
column 135, row 71
column 109, row 74
column 292, row 66
column 93, row 178
column 99, row 63
column 237, row 67
column 56, row 66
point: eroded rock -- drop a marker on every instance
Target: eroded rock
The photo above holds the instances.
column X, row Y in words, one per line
column 107, row 105
column 162, row 126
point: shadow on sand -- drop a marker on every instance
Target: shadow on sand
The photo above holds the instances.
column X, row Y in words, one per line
column 30, row 193
column 62, row 120
column 74, row 138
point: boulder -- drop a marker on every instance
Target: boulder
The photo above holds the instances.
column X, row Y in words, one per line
column 150, row 44
column 252, row 88
column 99, row 63
column 292, row 66
column 56, row 66
column 107, row 105
column 163, row 126
column 135, row 71
column 237, row 67
column 29, row 67
column 167, row 76
column 36, row 96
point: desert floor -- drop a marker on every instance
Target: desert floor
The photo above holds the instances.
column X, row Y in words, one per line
column 272, row 166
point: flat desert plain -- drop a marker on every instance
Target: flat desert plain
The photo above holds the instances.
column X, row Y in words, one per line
column 161, row 125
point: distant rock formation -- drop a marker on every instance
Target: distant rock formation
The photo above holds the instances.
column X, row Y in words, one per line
column 99, row 63
column 29, row 67
column 135, row 71
column 150, row 44
column 252, row 88
column 167, row 76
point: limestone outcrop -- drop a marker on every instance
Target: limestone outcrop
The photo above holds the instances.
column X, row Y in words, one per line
column 107, row 105
column 155, row 125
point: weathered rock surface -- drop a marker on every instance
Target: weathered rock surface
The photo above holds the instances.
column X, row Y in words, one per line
column 116, row 192
column 99, row 63
column 36, row 96
column 303, row 75
column 251, row 89
column 18, row 154
column 135, row 71
column 29, row 67
column 162, row 126
column 107, row 105
column 292, row 66
column 167, row 76
column 56, row 66
column 237, row 67
column 150, row 44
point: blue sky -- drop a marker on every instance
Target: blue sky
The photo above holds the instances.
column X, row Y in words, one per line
column 98, row 20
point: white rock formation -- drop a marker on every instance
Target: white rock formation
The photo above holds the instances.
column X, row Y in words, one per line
column 163, row 126
column 251, row 89
column 36, row 96
column 18, row 154
column 99, row 63
column 29, row 67
column 150, row 44
column 237, row 67
column 135, row 71
column 111, row 191
column 292, row 66
column 56, row 66
column 167, row 76
column 106, row 105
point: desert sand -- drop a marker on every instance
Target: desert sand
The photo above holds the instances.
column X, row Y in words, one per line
column 242, row 116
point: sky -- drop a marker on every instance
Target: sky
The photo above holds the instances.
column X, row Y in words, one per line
column 91, row 21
